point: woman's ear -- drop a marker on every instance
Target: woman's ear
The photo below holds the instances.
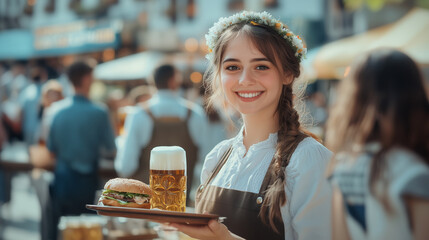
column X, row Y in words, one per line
column 288, row 79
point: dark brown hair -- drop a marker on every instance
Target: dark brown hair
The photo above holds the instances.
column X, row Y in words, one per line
column 281, row 54
column 383, row 100
column 77, row 71
column 162, row 75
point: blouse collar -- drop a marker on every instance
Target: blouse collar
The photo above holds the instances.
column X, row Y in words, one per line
column 270, row 142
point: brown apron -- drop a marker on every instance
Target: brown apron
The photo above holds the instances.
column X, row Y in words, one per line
column 241, row 209
column 169, row 131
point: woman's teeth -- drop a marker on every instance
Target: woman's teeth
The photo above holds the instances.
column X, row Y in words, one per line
column 249, row 95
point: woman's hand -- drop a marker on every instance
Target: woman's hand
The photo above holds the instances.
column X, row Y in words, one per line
column 213, row 230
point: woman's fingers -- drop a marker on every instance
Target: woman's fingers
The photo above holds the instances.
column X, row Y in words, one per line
column 214, row 230
column 217, row 228
column 200, row 232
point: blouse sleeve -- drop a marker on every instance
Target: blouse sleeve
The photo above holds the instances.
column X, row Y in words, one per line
column 418, row 186
column 136, row 136
column 408, row 173
column 310, row 200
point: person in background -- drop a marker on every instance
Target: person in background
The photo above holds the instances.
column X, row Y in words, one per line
column 135, row 97
column 79, row 130
column 141, row 94
column 380, row 133
column 52, row 92
column 12, row 83
column 3, row 136
column 40, row 156
column 218, row 125
column 268, row 181
column 5, row 193
column 14, row 80
column 165, row 120
column 3, row 92
column 30, row 100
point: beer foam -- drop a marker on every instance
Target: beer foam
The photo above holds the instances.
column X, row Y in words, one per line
column 168, row 158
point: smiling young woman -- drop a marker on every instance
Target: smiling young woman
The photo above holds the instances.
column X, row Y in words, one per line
column 269, row 179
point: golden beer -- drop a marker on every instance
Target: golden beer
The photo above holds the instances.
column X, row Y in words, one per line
column 169, row 189
column 168, row 178
column 82, row 232
column 80, row 228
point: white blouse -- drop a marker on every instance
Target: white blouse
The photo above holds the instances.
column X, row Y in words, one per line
column 307, row 212
column 405, row 174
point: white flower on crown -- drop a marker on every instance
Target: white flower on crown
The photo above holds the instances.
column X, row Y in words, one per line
column 255, row 18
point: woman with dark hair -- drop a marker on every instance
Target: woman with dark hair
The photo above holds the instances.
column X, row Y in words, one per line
column 269, row 179
column 380, row 133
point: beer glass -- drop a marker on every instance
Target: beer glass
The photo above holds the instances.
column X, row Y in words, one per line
column 168, row 178
column 80, row 227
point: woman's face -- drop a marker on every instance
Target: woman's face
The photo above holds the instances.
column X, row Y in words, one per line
column 251, row 83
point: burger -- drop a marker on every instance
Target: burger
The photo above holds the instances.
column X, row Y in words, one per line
column 123, row 192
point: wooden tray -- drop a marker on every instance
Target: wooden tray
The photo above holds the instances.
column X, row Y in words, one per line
column 155, row 215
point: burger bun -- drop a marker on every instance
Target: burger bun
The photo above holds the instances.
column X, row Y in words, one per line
column 128, row 185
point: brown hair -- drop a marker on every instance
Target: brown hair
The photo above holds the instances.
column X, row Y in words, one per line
column 383, row 100
column 280, row 53
column 77, row 71
column 163, row 75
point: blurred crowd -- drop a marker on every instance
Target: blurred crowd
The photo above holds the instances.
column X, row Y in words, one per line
column 28, row 89
column 51, row 111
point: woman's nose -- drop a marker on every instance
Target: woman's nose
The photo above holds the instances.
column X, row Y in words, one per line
column 246, row 78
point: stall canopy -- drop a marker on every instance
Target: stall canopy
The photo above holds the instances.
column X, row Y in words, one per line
column 141, row 66
column 133, row 67
column 409, row 34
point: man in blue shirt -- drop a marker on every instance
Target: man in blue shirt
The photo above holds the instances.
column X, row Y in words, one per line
column 79, row 130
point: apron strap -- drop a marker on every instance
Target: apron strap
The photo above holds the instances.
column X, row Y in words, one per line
column 268, row 179
column 269, row 176
column 220, row 164
column 146, row 108
column 188, row 114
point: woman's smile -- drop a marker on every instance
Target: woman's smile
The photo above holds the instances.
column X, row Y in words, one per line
column 249, row 96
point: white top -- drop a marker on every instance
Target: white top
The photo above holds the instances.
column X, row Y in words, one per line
column 306, row 214
column 139, row 126
column 406, row 174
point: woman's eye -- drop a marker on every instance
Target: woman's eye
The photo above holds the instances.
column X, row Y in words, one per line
column 262, row 68
column 231, row 68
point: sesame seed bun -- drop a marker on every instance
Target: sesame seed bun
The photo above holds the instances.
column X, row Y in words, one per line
column 128, row 185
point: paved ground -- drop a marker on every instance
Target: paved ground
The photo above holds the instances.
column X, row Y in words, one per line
column 20, row 217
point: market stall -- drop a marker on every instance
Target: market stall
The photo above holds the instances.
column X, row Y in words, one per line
column 408, row 34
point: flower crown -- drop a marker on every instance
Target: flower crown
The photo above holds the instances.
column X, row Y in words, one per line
column 255, row 18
